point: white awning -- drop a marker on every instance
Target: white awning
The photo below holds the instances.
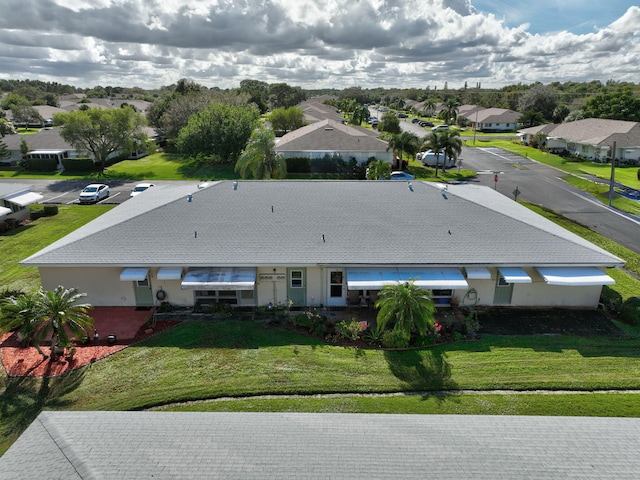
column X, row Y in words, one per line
column 434, row 277
column 575, row 276
column 227, row 278
column 478, row 273
column 25, row 199
column 514, row 275
column 430, row 278
column 5, row 211
column 134, row 274
column 169, row 273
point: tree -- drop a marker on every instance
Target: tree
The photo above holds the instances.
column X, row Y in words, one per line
column 408, row 308
column 404, row 142
column 258, row 93
column 378, row 170
column 429, row 107
column 220, row 130
column 26, row 115
column 560, row 113
column 48, row 314
column 531, row 118
column 102, row 131
column 259, row 158
column 360, row 114
column 389, row 123
column 6, row 128
column 450, row 110
column 285, row 120
column 435, row 143
column 4, row 151
column 451, row 146
column 617, row 104
column 538, row 99
column 282, row 95
column 24, row 148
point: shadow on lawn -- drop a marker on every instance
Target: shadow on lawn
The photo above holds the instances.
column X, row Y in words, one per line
column 25, row 397
column 421, row 369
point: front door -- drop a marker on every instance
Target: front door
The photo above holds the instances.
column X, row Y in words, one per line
column 503, row 292
column 337, row 295
column 297, row 287
column 144, row 295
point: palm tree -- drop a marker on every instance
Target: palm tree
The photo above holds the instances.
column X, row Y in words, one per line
column 435, row 143
column 407, row 307
column 60, row 315
column 403, row 142
column 429, row 107
column 360, row 114
column 451, row 145
column 19, row 313
column 259, row 158
column 450, row 110
column 378, row 170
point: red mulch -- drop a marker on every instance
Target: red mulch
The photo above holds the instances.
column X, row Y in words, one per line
column 129, row 328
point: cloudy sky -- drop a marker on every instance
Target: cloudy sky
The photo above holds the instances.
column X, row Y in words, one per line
column 316, row 44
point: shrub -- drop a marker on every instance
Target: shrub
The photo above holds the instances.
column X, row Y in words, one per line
column 298, row 165
column 36, row 214
column 311, row 320
column 630, row 312
column 472, row 323
column 4, row 227
column 39, row 164
column 50, row 210
column 350, row 330
column 78, row 165
column 394, row 339
column 610, row 299
column 12, row 223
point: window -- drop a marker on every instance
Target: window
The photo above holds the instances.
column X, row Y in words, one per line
column 296, row 279
column 502, row 282
column 143, row 283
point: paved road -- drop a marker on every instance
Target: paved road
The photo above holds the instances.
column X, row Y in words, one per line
column 542, row 185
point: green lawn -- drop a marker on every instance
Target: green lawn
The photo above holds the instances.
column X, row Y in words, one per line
column 625, row 175
column 18, row 244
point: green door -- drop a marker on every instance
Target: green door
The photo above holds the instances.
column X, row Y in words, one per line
column 503, row 292
column 144, row 295
column 297, row 285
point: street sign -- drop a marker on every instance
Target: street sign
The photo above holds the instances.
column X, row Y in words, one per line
column 495, row 177
column 516, row 192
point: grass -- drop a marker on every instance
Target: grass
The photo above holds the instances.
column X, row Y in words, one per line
column 601, row 192
column 18, row 244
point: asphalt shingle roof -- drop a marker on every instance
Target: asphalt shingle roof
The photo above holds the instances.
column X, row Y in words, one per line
column 169, row 445
column 594, row 131
column 321, row 222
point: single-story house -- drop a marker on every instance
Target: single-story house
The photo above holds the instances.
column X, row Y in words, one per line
column 591, row 139
column 15, row 199
column 48, row 139
column 332, row 138
column 316, row 111
column 492, row 119
column 316, row 243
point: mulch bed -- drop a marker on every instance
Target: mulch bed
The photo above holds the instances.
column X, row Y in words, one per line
column 20, row 361
column 555, row 321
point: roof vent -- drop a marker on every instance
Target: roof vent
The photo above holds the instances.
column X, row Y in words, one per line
column 328, row 128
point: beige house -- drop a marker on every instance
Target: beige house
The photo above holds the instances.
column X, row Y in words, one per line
column 15, row 199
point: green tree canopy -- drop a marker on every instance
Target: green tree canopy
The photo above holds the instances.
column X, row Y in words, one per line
column 449, row 110
column 285, row 120
column 258, row 93
column 220, row 130
column 538, row 98
column 378, row 170
column 407, row 308
column 25, row 114
column 4, row 151
column 404, row 142
column 616, row 104
column 531, row 118
column 282, row 95
column 389, row 123
column 102, row 131
column 259, row 159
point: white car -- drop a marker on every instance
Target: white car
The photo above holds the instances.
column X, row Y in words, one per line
column 401, row 176
column 139, row 188
column 440, row 127
column 93, row 193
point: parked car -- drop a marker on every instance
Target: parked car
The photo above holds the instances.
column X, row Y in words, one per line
column 93, row 193
column 415, row 120
column 139, row 188
column 440, row 127
column 372, row 120
column 401, row 176
column 402, row 115
column 425, row 123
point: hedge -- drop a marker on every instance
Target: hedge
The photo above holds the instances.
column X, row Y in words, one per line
column 40, row 164
column 78, row 164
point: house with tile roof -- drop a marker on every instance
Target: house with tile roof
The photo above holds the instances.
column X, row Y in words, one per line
column 491, row 119
column 335, row 139
column 591, row 139
column 317, row 243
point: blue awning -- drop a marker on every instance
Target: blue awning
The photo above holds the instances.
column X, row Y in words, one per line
column 514, row 275
column 429, row 278
column 575, row 276
column 166, row 273
column 478, row 273
column 134, row 274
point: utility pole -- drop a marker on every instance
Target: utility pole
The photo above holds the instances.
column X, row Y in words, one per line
column 613, row 173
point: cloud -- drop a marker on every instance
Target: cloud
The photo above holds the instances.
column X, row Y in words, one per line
column 335, row 43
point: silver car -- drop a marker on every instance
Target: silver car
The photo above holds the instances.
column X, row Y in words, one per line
column 94, row 193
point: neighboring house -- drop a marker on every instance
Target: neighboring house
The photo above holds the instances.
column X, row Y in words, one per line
column 317, row 243
column 491, row 119
column 591, row 139
column 332, row 138
column 316, row 111
column 15, row 199
column 44, row 140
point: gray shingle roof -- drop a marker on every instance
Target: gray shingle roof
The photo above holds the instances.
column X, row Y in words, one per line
column 169, row 445
column 283, row 223
column 594, row 131
column 329, row 135
column 46, row 139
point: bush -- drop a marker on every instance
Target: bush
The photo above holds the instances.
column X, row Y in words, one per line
column 12, row 223
column 394, row 339
column 78, row 165
column 39, row 164
column 610, row 299
column 630, row 312
column 36, row 214
column 50, row 210
column 4, row 227
column 298, row 165
column 350, row 330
